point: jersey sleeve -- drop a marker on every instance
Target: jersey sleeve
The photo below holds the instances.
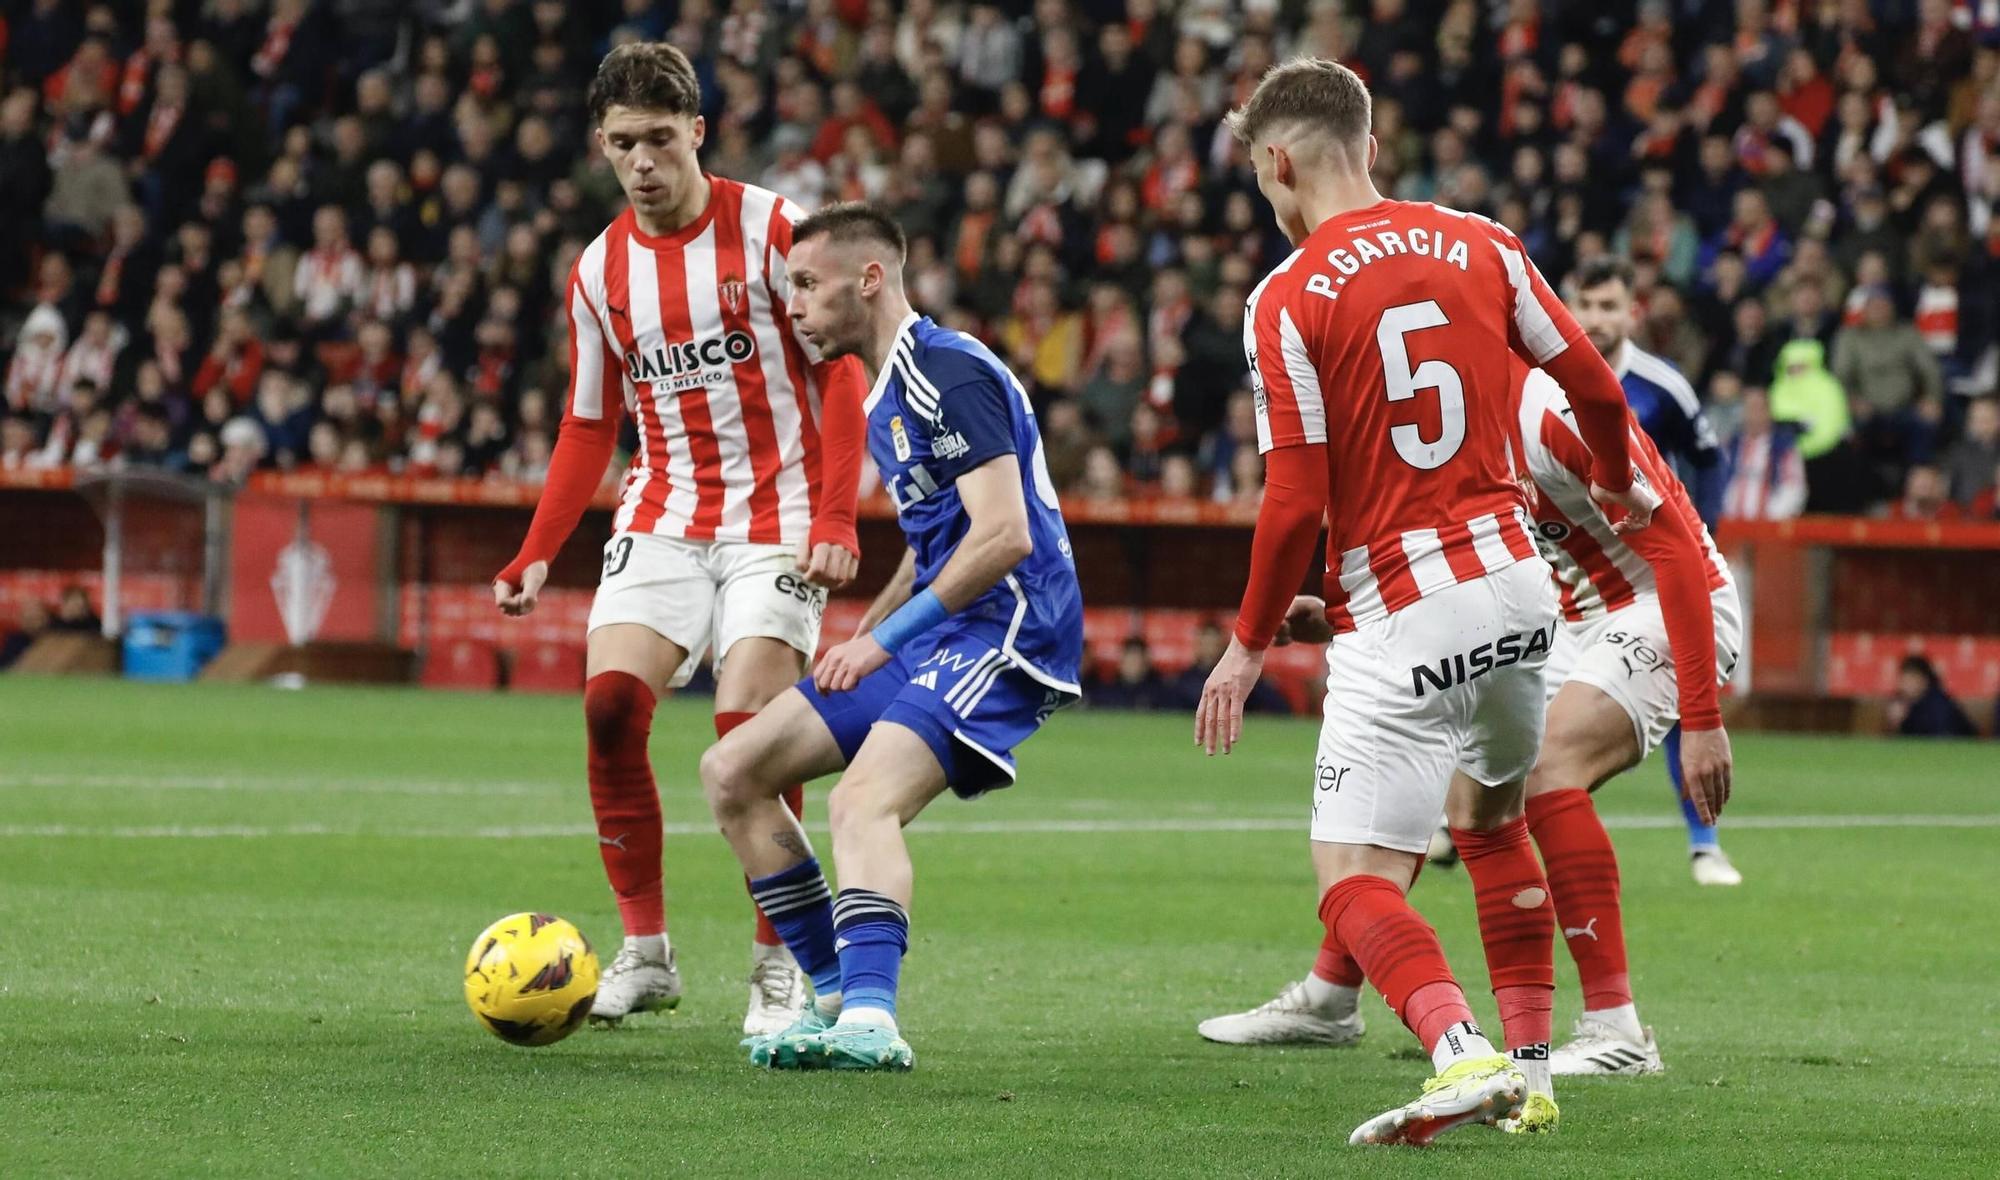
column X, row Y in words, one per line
column 1672, row 546
column 585, row 441
column 971, row 420
column 1291, row 406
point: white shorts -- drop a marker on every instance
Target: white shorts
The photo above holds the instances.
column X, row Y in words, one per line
column 695, row 592
column 1625, row 655
column 1451, row 682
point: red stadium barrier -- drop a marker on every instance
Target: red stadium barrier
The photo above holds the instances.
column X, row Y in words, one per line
column 1833, row 602
column 547, row 667
column 463, row 664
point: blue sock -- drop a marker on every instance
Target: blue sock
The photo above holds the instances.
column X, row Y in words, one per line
column 800, row 907
column 1701, row 836
column 872, row 932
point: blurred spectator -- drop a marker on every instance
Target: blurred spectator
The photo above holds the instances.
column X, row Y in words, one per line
column 1969, row 464
column 1885, row 368
column 1921, row 707
column 1103, row 480
column 1134, row 684
column 1767, row 477
column 75, row 614
column 1805, row 394
column 33, row 378
column 1066, row 442
column 1924, row 496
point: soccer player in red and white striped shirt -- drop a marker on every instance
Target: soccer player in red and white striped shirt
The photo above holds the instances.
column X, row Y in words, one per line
column 736, row 516
column 1379, row 354
column 1651, row 625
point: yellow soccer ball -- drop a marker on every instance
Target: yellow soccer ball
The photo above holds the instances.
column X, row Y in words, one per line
column 530, row 979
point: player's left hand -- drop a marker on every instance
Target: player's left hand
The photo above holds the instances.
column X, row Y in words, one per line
column 1706, row 769
column 1636, row 504
column 829, row 565
column 844, row 666
column 1219, row 720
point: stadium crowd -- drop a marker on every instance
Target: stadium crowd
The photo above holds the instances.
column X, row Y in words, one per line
column 327, row 233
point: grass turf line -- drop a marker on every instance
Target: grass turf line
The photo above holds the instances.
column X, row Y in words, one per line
column 236, row 1007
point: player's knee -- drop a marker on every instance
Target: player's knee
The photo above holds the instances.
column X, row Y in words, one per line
column 726, row 779
column 1569, row 761
column 611, row 706
column 851, row 804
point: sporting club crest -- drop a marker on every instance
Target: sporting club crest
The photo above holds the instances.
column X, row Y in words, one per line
column 731, row 291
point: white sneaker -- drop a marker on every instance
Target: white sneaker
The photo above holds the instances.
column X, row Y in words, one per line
column 1713, row 868
column 778, row 991
column 1598, row 1050
column 636, row 982
column 1287, row 1020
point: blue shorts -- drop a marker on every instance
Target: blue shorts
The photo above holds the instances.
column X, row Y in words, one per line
column 956, row 690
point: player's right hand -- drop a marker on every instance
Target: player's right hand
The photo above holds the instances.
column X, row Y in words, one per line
column 1305, row 622
column 1706, row 770
column 519, row 600
column 829, row 565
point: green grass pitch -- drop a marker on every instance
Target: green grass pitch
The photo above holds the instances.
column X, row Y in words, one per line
column 232, row 922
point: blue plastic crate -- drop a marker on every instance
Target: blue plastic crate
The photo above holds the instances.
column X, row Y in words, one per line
column 170, row 645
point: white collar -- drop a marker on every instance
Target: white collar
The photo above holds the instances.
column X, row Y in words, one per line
column 881, row 385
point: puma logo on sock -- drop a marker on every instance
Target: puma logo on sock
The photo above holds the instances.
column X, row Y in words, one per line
column 1588, row 928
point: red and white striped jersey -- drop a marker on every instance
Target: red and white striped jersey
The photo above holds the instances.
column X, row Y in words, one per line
column 690, row 332
column 1597, row 572
column 1387, row 336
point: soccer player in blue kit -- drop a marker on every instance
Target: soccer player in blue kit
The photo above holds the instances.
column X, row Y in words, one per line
column 971, row 647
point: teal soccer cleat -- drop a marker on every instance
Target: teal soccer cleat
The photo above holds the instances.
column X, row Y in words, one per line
column 781, row 1050
column 860, row 1047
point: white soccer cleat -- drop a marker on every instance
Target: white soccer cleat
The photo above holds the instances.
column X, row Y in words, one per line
column 1712, row 867
column 1600, row 1051
column 636, row 982
column 1287, row 1020
column 778, row 992
column 1488, row 1090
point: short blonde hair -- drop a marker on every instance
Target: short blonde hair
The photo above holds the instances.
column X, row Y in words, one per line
column 1324, row 95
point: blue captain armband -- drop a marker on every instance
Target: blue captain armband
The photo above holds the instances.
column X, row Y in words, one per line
column 922, row 612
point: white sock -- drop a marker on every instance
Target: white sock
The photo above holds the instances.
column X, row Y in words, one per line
column 1460, row 1041
column 652, row 947
column 759, row 953
column 1623, row 1020
column 863, row 1017
column 828, row 1005
column 1330, row 998
column 1533, row 1062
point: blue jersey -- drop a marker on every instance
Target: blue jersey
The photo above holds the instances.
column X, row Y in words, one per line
column 1671, row 414
column 942, row 406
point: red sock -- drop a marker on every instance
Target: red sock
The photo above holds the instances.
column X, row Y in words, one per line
column 1399, row 953
column 618, row 713
column 1334, row 964
column 1583, row 875
column 795, row 798
column 1517, row 924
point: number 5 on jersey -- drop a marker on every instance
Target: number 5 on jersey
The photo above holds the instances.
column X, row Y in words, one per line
column 1402, row 385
